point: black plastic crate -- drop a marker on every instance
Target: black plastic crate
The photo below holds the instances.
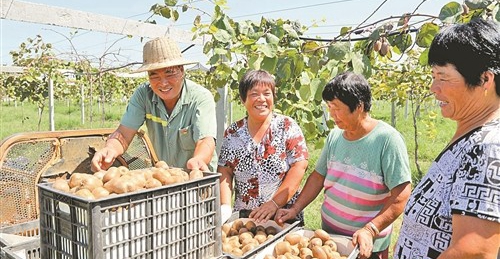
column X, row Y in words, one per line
column 175, row 221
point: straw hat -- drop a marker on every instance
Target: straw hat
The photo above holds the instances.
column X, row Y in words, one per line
column 160, row 53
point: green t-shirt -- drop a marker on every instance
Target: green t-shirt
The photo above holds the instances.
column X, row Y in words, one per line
column 174, row 137
column 359, row 176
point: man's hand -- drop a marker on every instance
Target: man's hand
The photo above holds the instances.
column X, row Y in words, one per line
column 197, row 163
column 103, row 159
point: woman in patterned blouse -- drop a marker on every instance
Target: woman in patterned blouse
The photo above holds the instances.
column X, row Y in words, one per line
column 454, row 212
column 263, row 156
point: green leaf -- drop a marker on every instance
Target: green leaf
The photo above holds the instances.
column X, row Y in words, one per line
column 197, row 20
column 165, row 12
column 477, row 4
column 176, row 15
column 358, row 66
column 222, row 36
column 313, row 64
column 338, row 50
column 344, row 30
column 184, row 8
column 247, row 41
column 254, row 62
column 304, row 78
column 272, row 39
column 220, row 51
column 284, row 71
column 268, row 50
column 375, row 35
column 269, row 64
column 304, row 92
column 171, row 2
column 315, row 85
column 299, row 65
column 289, row 29
column 424, row 57
column 426, row 34
column 450, row 12
column 310, row 46
column 402, row 42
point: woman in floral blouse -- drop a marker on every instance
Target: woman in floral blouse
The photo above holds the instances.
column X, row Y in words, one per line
column 263, row 156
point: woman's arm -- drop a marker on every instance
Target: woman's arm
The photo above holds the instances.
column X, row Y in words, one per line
column 473, row 237
column 291, row 183
column 226, row 184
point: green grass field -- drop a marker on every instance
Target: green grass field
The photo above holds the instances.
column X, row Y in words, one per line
column 24, row 118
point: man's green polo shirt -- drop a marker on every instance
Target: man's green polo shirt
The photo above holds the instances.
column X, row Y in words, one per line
column 174, row 137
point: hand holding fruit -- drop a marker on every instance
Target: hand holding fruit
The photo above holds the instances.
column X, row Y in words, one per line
column 103, row 159
column 197, row 163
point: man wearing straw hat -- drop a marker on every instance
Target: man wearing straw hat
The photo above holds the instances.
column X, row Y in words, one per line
column 178, row 113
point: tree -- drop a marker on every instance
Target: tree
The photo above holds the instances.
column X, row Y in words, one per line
column 302, row 66
column 40, row 66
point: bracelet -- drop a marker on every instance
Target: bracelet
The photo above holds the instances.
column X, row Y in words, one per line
column 275, row 204
column 374, row 228
column 118, row 136
column 365, row 227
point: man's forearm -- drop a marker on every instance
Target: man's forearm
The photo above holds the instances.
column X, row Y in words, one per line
column 204, row 149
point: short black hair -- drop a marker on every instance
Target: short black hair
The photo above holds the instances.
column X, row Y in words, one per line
column 473, row 48
column 253, row 78
column 351, row 89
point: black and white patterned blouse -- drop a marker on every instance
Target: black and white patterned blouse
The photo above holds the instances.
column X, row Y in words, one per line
column 464, row 179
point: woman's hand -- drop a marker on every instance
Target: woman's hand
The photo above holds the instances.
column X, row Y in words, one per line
column 364, row 239
column 264, row 213
column 282, row 215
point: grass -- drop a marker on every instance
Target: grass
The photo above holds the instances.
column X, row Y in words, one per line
column 24, row 118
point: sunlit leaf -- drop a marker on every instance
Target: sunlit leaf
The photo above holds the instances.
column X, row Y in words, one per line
column 171, row 2
column 477, row 4
column 248, row 41
column 289, row 29
column 344, row 30
column 176, row 15
column 222, row 36
column 268, row 50
column 272, row 39
column 165, row 12
column 310, row 46
column 426, row 34
column 450, row 12
column 254, row 62
column 424, row 57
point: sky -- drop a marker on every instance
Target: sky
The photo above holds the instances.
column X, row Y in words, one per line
column 330, row 16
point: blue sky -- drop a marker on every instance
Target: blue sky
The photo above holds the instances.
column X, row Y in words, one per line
column 329, row 15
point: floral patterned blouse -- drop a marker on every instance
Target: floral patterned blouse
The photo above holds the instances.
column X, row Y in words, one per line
column 260, row 168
